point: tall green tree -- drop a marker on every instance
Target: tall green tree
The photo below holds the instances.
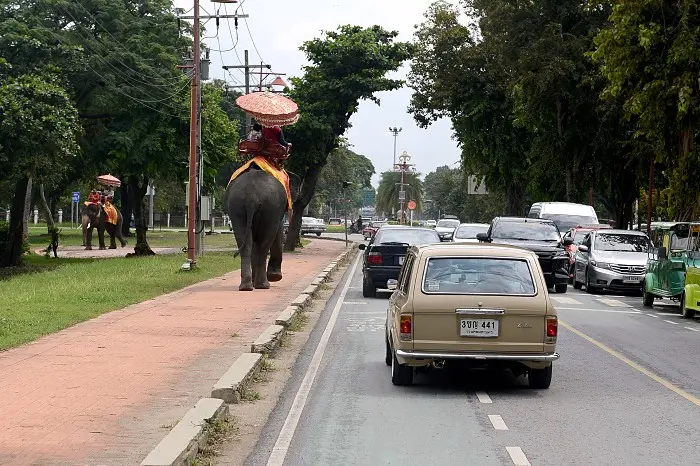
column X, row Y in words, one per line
column 344, row 165
column 346, row 66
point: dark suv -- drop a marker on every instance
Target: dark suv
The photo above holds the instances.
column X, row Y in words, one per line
column 540, row 236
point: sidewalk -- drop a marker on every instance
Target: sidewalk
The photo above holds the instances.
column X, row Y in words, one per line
column 108, row 390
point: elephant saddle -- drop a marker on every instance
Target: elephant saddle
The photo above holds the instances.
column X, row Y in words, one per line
column 111, row 213
column 280, row 175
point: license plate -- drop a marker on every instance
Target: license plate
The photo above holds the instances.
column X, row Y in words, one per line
column 401, row 258
column 478, row 327
column 631, row 279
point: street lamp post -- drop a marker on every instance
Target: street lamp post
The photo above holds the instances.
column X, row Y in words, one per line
column 403, row 165
column 395, row 131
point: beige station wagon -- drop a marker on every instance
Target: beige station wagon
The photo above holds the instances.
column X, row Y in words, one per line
column 478, row 304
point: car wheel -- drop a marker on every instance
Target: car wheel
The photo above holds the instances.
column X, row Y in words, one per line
column 561, row 287
column 647, row 298
column 387, row 357
column 368, row 289
column 540, row 378
column 401, row 374
column 685, row 312
column 318, row 234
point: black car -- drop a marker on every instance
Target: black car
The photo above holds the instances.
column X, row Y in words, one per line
column 385, row 253
column 540, row 236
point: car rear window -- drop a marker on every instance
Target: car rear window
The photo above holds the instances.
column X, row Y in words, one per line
column 478, row 275
column 470, row 231
column 413, row 237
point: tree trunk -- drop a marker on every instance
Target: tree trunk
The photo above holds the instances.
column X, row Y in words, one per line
column 137, row 194
column 27, row 209
column 306, row 193
column 126, row 209
column 516, row 195
column 12, row 256
column 47, row 210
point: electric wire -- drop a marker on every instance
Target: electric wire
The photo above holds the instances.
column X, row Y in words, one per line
column 251, row 34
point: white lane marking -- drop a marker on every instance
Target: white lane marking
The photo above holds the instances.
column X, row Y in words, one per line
column 671, row 322
column 284, row 440
column 565, row 300
column 693, row 329
column 613, row 302
column 614, row 311
column 517, row 456
column 483, row 397
column 359, row 303
column 666, row 314
column 652, row 315
column 497, row 422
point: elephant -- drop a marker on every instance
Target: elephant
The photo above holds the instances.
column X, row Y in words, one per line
column 256, row 203
column 94, row 216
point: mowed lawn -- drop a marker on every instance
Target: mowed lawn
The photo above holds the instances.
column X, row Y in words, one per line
column 39, row 238
column 63, row 292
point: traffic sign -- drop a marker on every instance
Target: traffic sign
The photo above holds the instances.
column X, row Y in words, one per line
column 412, row 205
column 76, row 197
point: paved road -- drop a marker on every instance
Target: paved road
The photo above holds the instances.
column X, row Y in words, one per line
column 625, row 392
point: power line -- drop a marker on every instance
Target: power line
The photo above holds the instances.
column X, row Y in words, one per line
column 250, row 33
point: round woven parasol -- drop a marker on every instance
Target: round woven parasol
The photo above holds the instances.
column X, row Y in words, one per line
column 269, row 109
column 109, row 180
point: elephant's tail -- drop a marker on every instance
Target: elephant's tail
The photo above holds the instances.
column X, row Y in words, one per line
column 248, row 237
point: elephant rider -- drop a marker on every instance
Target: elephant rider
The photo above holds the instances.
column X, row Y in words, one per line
column 110, row 210
column 274, row 135
column 94, row 197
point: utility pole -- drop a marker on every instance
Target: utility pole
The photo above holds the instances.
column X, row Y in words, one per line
column 395, row 131
column 403, row 166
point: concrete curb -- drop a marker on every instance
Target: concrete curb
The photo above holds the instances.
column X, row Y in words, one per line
column 233, row 383
column 182, row 444
column 269, row 340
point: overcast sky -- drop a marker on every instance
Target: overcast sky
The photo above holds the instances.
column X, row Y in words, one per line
column 279, row 27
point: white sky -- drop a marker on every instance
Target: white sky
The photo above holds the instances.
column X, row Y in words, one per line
column 279, row 27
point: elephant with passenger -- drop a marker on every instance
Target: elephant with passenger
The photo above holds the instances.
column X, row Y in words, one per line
column 256, row 202
column 95, row 216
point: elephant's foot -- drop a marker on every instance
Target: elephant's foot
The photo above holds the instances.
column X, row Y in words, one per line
column 88, row 248
column 274, row 276
column 124, row 242
column 263, row 286
column 246, row 284
column 102, row 248
column 113, row 247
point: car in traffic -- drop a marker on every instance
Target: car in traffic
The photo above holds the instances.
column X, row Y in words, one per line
column 564, row 214
column 612, row 260
column 478, row 305
column 446, row 228
column 577, row 234
column 311, row 225
column 335, row 221
column 385, row 253
column 372, row 228
column 540, row 236
column 430, row 223
column 466, row 232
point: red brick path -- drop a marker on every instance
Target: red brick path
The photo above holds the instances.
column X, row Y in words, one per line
column 107, row 390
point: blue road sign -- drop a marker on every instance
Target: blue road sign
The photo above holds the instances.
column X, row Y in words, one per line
column 76, row 197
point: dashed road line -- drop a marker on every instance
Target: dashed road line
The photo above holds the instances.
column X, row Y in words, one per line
column 497, row 422
column 483, row 397
column 651, row 315
column 613, row 311
column 517, row 456
column 693, row 329
column 565, row 300
column 671, row 322
column 613, row 302
column 356, row 303
column 666, row 314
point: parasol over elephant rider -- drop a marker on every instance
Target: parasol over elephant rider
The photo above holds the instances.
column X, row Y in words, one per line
column 99, row 212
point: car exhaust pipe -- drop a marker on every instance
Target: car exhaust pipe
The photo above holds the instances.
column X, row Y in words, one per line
column 438, row 364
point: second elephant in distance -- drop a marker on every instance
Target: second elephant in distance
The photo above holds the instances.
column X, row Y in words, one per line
column 256, row 202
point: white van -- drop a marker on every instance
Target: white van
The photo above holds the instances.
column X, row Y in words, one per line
column 565, row 214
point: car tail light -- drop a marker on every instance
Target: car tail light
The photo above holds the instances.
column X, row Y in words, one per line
column 374, row 258
column 552, row 329
column 406, row 328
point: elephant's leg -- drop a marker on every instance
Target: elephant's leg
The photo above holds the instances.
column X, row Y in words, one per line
column 260, row 257
column 101, row 235
column 245, row 243
column 88, row 238
column 118, row 230
column 111, row 231
column 255, row 271
column 274, row 266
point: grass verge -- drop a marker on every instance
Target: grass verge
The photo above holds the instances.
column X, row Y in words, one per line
column 219, row 432
column 75, row 290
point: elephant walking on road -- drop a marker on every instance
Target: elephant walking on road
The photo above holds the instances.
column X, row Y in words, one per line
column 256, row 202
column 94, row 216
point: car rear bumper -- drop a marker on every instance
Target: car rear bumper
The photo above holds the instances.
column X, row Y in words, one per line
column 379, row 275
column 545, row 357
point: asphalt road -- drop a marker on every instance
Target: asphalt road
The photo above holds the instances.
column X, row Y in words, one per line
column 625, row 392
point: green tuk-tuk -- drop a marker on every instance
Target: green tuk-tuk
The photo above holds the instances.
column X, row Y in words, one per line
column 666, row 263
column 690, row 300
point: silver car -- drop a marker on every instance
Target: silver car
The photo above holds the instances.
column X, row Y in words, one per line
column 466, row 232
column 446, row 228
column 611, row 260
